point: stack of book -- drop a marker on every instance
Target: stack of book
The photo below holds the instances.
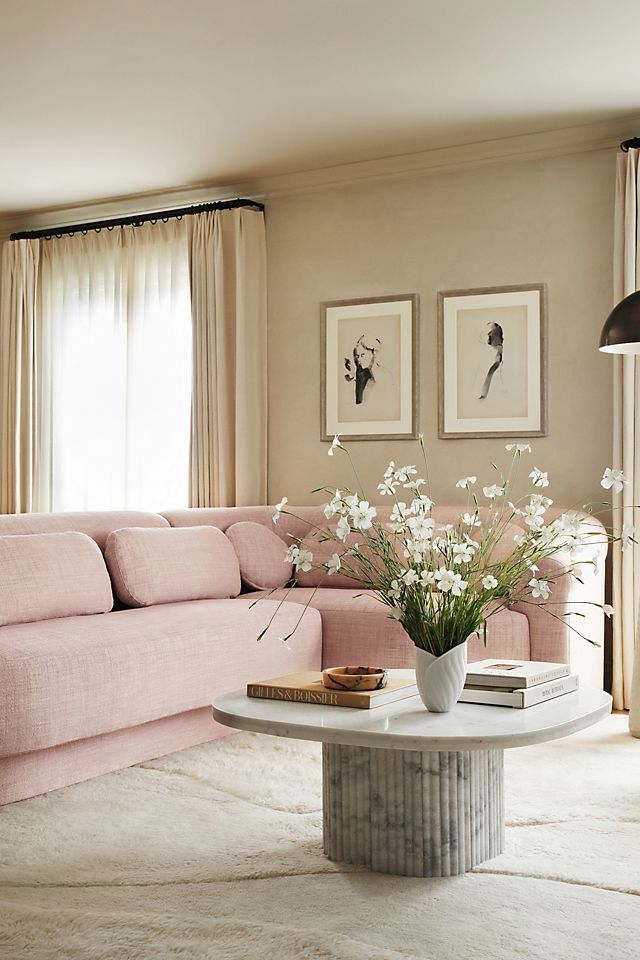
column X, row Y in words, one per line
column 307, row 687
column 517, row 683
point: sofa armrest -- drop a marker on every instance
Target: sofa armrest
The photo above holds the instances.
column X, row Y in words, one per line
column 563, row 640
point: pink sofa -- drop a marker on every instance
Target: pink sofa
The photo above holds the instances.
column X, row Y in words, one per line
column 88, row 688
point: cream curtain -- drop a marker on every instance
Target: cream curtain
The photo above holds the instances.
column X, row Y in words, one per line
column 115, row 388
column 229, row 406
column 18, row 374
column 626, row 446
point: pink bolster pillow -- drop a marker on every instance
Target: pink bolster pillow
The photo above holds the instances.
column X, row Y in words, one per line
column 261, row 554
column 44, row 576
column 168, row 564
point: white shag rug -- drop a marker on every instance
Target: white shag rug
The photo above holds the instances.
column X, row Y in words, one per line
column 216, row 853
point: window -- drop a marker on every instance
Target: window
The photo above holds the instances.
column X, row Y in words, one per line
column 115, row 390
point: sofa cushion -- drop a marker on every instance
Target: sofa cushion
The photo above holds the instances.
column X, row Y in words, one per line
column 356, row 629
column 261, row 555
column 150, row 566
column 65, row 680
column 97, row 524
column 47, row 575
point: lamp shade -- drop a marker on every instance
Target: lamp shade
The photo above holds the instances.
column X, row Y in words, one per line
column 621, row 332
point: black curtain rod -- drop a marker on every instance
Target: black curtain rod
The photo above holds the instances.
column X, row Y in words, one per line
column 626, row 145
column 134, row 221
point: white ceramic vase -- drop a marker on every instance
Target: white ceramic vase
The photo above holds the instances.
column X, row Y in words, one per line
column 440, row 679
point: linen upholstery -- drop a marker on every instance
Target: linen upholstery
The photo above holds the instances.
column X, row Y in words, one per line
column 151, row 566
column 47, row 575
column 39, row 771
column 97, row 524
column 261, row 555
column 356, row 629
column 79, row 677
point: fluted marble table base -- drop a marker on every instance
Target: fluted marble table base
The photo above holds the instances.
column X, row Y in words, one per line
column 416, row 814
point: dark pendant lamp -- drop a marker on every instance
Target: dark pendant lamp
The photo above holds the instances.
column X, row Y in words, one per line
column 621, row 332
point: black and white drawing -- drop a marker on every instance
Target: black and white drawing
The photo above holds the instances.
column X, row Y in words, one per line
column 369, row 368
column 495, row 339
column 492, row 362
column 361, row 366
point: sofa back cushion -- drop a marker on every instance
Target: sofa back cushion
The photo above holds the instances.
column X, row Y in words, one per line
column 150, row 566
column 44, row 576
column 97, row 524
column 261, row 555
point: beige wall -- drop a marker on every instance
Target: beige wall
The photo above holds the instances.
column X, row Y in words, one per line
column 545, row 221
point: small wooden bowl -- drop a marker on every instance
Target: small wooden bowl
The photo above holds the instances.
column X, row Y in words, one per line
column 354, row 678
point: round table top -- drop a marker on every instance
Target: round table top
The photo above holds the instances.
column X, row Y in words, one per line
column 408, row 725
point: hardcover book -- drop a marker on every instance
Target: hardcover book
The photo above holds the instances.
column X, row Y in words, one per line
column 307, row 687
column 524, row 697
column 514, row 674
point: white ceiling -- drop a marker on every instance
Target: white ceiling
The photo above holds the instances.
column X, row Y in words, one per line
column 108, row 98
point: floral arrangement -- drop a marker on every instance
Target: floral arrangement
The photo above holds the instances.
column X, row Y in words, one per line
column 443, row 582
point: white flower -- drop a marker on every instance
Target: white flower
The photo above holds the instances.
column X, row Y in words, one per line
column 403, row 474
column 362, row 515
column 538, row 478
column 335, row 444
column 415, row 551
column 301, row 559
column 279, row 507
column 395, row 590
column 396, row 613
column 569, row 524
column 466, row 482
column 463, row 552
column 421, row 527
column 539, row 588
column 533, row 514
column 333, row 506
column 608, row 610
column 333, row 564
column 534, row 568
column 390, row 470
column 387, row 489
column 414, row 484
column 409, row 576
column 421, row 503
column 489, row 582
column 449, row 580
column 399, row 512
column 495, row 490
column 613, row 478
column 520, row 539
column 304, row 561
column 626, row 536
column 427, row 578
column 343, row 529
column 471, row 520
column 519, row 447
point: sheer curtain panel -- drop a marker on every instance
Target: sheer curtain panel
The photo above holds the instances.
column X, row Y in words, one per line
column 18, row 374
column 115, row 389
column 229, row 412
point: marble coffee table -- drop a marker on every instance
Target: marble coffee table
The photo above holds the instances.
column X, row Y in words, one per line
column 410, row 792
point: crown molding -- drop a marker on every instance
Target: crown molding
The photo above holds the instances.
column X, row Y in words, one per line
column 545, row 144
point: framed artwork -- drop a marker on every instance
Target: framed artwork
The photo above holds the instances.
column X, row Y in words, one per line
column 493, row 362
column 369, row 378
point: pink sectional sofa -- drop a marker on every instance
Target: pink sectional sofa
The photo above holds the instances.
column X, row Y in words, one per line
column 93, row 680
